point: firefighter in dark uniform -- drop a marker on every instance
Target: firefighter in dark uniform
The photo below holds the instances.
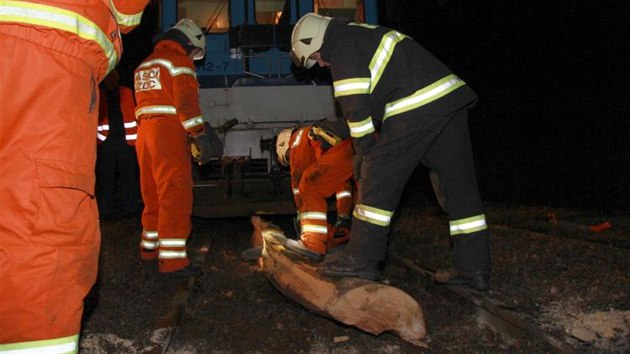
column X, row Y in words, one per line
column 403, row 107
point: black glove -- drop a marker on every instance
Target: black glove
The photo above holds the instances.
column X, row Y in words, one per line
column 201, row 147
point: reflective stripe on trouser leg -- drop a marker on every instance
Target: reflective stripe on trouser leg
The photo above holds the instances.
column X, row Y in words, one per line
column 451, row 158
column 384, row 173
column 314, row 222
column 149, row 240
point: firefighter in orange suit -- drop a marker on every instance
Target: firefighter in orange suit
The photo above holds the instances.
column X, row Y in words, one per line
column 116, row 161
column 54, row 54
column 320, row 167
column 168, row 113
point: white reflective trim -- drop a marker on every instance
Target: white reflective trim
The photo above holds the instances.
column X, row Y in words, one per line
column 383, row 55
column 166, row 254
column 424, row 96
column 131, row 124
column 316, row 229
column 468, row 226
column 103, row 127
column 155, row 109
column 192, row 122
column 61, row 19
column 373, row 215
column 131, row 137
column 172, row 242
column 312, row 215
column 298, row 137
column 148, row 234
column 296, row 191
column 343, row 194
column 362, row 128
column 150, row 245
column 354, row 86
column 127, row 20
column 100, row 137
column 172, row 69
column 64, row 345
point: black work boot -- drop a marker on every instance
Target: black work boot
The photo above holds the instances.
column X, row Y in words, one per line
column 346, row 265
column 478, row 280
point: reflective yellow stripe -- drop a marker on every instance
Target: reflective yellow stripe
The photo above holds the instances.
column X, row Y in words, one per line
column 298, row 137
column 49, row 346
column 155, row 109
column 382, row 55
column 362, row 128
column 343, row 194
column 312, row 215
column 373, row 215
column 165, row 254
column 468, row 225
column 172, row 69
column 127, row 20
column 316, row 229
column 354, row 86
column 424, row 96
column 61, row 19
column 150, row 235
column 192, row 122
column 172, row 242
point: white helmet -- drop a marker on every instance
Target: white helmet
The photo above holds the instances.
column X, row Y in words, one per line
column 307, row 38
column 194, row 34
column 282, row 146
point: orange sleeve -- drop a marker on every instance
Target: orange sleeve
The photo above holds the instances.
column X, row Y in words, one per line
column 128, row 13
column 186, row 97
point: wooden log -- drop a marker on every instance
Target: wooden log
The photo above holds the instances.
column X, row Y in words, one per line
column 371, row 306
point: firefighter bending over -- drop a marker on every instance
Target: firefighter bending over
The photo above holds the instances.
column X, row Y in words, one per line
column 54, row 54
column 320, row 162
column 168, row 112
column 385, row 80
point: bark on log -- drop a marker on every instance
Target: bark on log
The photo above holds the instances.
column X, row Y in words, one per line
column 371, row 306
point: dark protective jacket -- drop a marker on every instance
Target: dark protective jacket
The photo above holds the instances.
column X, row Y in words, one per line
column 384, row 68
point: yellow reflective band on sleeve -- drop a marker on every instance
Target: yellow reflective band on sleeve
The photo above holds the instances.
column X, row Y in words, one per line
column 373, row 215
column 168, row 65
column 468, row 225
column 354, row 86
column 165, row 254
column 343, row 194
column 65, row 345
column 172, row 242
column 192, row 122
column 155, row 109
column 382, row 55
column 312, row 215
column 60, row 19
column 424, row 96
column 316, row 229
column 127, row 20
column 362, row 128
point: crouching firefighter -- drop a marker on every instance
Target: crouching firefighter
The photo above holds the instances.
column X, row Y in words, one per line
column 320, row 161
column 169, row 115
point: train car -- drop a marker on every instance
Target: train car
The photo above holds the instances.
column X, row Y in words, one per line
column 250, row 91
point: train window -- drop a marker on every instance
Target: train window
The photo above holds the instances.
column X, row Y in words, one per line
column 269, row 12
column 210, row 15
column 349, row 9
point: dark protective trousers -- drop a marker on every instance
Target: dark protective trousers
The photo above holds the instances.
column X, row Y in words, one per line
column 442, row 143
column 117, row 170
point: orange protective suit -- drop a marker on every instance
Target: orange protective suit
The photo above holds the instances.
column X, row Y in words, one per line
column 54, row 53
column 127, row 107
column 317, row 174
column 167, row 96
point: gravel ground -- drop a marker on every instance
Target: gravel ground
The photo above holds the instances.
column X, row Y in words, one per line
column 566, row 277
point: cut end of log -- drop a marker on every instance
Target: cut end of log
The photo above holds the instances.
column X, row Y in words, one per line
column 371, row 306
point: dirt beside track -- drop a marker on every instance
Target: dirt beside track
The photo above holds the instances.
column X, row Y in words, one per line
column 565, row 277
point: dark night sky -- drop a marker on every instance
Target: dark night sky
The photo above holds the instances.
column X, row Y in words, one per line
column 553, row 78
